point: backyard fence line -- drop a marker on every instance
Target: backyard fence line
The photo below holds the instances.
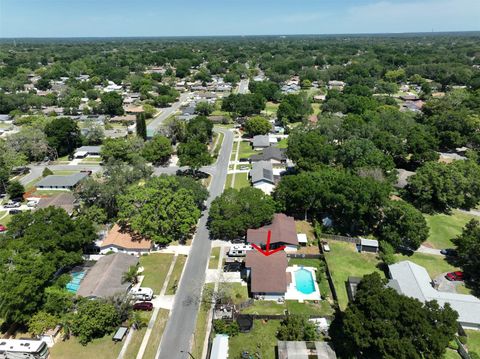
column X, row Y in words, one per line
column 306, row 256
column 336, row 237
column 246, row 304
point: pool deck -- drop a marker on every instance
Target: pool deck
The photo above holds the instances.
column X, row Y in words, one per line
column 294, row 294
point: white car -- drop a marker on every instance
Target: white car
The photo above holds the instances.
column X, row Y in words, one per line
column 32, row 203
column 142, row 293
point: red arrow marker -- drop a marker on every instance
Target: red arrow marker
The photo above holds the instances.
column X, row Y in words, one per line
column 267, row 252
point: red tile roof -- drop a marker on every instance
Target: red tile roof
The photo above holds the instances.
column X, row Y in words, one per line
column 125, row 239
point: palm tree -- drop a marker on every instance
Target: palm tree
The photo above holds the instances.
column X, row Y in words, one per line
column 131, row 275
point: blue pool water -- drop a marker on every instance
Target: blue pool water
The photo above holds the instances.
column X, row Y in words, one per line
column 304, row 281
column 74, row 284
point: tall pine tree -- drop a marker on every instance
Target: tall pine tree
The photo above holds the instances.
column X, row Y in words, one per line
column 141, row 126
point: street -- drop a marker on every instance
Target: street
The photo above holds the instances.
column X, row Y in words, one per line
column 153, row 126
column 178, row 334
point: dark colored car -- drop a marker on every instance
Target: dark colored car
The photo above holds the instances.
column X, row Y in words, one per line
column 15, row 211
column 455, row 276
column 233, row 267
column 143, row 306
column 450, row 252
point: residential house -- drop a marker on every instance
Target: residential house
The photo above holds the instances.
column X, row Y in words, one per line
column 283, row 233
column 86, row 151
column 260, row 142
column 271, row 154
column 304, row 350
column 336, row 85
column 267, row 275
column 65, row 201
column 58, row 182
column 412, row 280
column 105, row 278
column 123, row 240
column 261, row 176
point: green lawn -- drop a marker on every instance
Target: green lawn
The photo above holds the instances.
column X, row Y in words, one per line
column 49, row 193
column 214, row 257
column 473, row 342
column 316, row 108
column 201, row 325
column 445, row 227
column 155, row 270
column 434, row 265
column 261, row 339
column 344, row 261
column 241, row 180
column 137, row 338
column 104, row 348
column 92, row 160
column 246, row 150
column 216, row 149
column 6, row 220
column 64, row 173
column 156, row 336
column 283, row 143
column 451, row 354
column 271, row 108
column 176, row 274
column 236, row 291
column 308, row 308
column 265, row 307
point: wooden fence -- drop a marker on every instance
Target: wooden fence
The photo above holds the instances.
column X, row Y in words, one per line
column 336, row 237
column 304, row 255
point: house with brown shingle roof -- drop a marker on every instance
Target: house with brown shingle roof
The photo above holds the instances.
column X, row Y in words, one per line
column 284, row 233
column 267, row 275
column 125, row 241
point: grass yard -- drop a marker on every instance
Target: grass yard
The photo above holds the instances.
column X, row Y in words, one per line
column 241, row 180
column 214, row 258
column 283, row 143
column 156, row 336
column 49, row 193
column 445, row 227
column 236, row 291
column 235, row 148
column 473, row 341
column 305, row 227
column 434, row 264
column 92, row 160
column 308, row 308
column 176, row 274
column 271, row 108
column 451, row 354
column 137, row 338
column 201, row 325
column 217, row 148
column 246, row 150
column 64, row 173
column 104, row 348
column 6, row 220
column 265, row 307
column 344, row 261
column 316, row 108
column 155, row 270
column 261, row 339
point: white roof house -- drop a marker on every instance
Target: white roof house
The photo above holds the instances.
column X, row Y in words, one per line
column 412, row 280
column 219, row 347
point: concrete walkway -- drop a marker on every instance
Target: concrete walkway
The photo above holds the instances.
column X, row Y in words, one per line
column 159, row 302
column 236, row 160
column 428, row 250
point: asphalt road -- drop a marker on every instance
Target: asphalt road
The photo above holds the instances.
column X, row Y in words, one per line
column 166, row 112
column 243, row 86
column 181, row 324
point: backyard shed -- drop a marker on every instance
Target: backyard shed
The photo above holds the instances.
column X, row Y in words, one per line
column 302, row 239
column 368, row 245
column 219, row 347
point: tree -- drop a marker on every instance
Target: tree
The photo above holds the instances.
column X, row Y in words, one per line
column 15, row 190
column 194, row 154
column 31, row 142
column 308, row 149
column 257, row 125
column 380, row 323
column 93, row 319
column 294, row 108
column 222, row 327
column 158, row 150
column 58, row 301
column 141, row 126
column 47, row 172
column 297, row 328
column 112, row 103
column 204, row 108
column 402, row 225
column 123, row 149
column 243, row 104
column 200, row 128
column 63, row 134
column 235, row 211
column 94, row 133
column 40, row 322
column 175, row 129
column 468, row 249
column 131, row 276
column 178, row 214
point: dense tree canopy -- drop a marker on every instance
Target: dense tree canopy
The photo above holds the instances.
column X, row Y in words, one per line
column 63, row 134
column 158, row 150
column 257, row 125
column 194, row 154
column 380, row 323
column 244, row 105
column 468, row 249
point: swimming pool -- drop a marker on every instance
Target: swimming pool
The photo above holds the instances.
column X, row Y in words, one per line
column 74, row 284
column 304, row 281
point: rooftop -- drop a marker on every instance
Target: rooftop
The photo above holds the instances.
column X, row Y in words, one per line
column 270, row 153
column 62, row 181
column 262, row 171
column 283, row 231
column 268, row 273
column 124, row 239
column 305, row 350
column 261, row 141
column 63, row 200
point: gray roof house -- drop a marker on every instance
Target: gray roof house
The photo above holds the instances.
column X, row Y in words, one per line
column 261, row 141
column 412, row 280
column 84, row 151
column 57, row 182
column 105, row 278
column 5, row 118
column 305, row 350
column 271, row 153
column 261, row 176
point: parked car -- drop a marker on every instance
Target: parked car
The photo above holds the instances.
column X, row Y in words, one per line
column 237, row 240
column 15, row 211
column 142, row 293
column 326, row 247
column 449, row 252
column 12, row 204
column 32, row 203
column 455, row 276
column 143, row 306
column 2, row 228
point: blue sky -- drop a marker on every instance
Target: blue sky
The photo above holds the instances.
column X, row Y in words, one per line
column 68, row 18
